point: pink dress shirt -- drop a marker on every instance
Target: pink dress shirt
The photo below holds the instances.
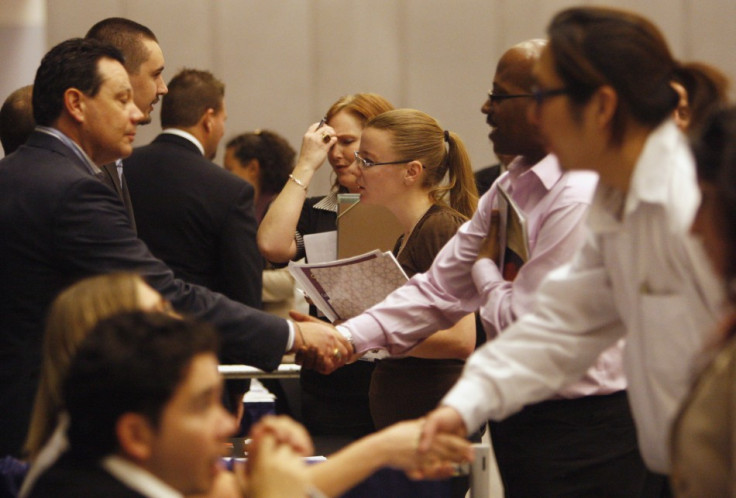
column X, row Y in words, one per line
column 555, row 205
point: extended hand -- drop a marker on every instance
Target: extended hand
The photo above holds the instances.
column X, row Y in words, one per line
column 319, row 345
column 438, row 461
column 490, row 247
column 442, row 420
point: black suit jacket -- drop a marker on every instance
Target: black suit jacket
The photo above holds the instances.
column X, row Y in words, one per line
column 197, row 217
column 58, row 224
column 485, row 177
column 121, row 188
column 68, row 478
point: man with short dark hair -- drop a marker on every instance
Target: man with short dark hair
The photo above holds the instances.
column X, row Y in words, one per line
column 191, row 213
column 61, row 224
column 143, row 398
column 16, row 119
column 144, row 59
column 144, row 62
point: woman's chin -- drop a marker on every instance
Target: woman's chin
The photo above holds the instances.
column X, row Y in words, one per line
column 348, row 182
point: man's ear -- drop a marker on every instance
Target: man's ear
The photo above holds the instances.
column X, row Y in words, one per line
column 413, row 172
column 253, row 165
column 605, row 103
column 135, row 436
column 75, row 104
column 208, row 119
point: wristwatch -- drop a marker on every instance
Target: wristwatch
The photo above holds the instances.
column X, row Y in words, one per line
column 347, row 335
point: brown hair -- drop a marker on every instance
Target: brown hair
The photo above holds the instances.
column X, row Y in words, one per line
column 418, row 136
column 715, row 156
column 72, row 315
column 594, row 46
column 16, row 119
column 707, row 90
column 191, row 93
column 362, row 106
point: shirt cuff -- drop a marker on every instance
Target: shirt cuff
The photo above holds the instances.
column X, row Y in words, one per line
column 366, row 333
column 290, row 340
column 463, row 397
column 485, row 271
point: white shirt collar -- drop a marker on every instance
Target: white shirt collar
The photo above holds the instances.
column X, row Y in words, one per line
column 137, row 478
column 653, row 181
column 187, row 135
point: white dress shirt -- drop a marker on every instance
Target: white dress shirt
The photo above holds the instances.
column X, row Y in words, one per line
column 640, row 274
column 138, row 479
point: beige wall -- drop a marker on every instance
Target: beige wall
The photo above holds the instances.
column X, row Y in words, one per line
column 285, row 61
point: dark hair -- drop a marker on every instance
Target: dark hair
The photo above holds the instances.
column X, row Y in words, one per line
column 416, row 135
column 274, row 154
column 715, row 156
column 70, row 64
column 191, row 93
column 131, row 362
column 16, row 119
column 127, row 36
column 592, row 47
column 707, row 90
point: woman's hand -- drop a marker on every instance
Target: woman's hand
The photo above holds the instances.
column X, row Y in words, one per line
column 437, row 461
column 315, row 145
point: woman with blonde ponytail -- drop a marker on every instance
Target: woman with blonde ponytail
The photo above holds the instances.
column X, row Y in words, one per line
column 407, row 163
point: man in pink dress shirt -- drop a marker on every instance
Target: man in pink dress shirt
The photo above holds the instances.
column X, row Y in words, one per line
column 581, row 442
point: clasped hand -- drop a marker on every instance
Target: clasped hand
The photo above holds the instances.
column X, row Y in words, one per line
column 318, row 345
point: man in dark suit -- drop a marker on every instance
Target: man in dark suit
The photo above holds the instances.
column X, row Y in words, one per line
column 191, row 213
column 61, row 224
column 144, row 62
column 143, row 398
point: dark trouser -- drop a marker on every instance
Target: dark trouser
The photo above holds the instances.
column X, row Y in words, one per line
column 583, row 447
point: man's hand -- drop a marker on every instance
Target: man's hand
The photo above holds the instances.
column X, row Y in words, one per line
column 439, row 461
column 444, row 419
column 319, row 345
column 489, row 248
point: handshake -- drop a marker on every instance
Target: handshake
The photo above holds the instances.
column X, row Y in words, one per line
column 318, row 345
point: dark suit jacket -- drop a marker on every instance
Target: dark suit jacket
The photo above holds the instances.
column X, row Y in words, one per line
column 485, row 177
column 58, row 224
column 68, row 478
column 121, row 188
column 197, row 217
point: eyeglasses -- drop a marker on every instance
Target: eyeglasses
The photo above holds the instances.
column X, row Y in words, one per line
column 365, row 163
column 500, row 97
column 541, row 95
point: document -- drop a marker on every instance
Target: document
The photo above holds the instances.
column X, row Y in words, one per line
column 514, row 235
column 345, row 288
column 321, row 247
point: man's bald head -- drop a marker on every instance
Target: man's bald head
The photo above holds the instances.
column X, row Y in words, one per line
column 16, row 119
column 519, row 61
column 508, row 106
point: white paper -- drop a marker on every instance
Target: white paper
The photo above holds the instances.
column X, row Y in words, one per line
column 321, row 247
